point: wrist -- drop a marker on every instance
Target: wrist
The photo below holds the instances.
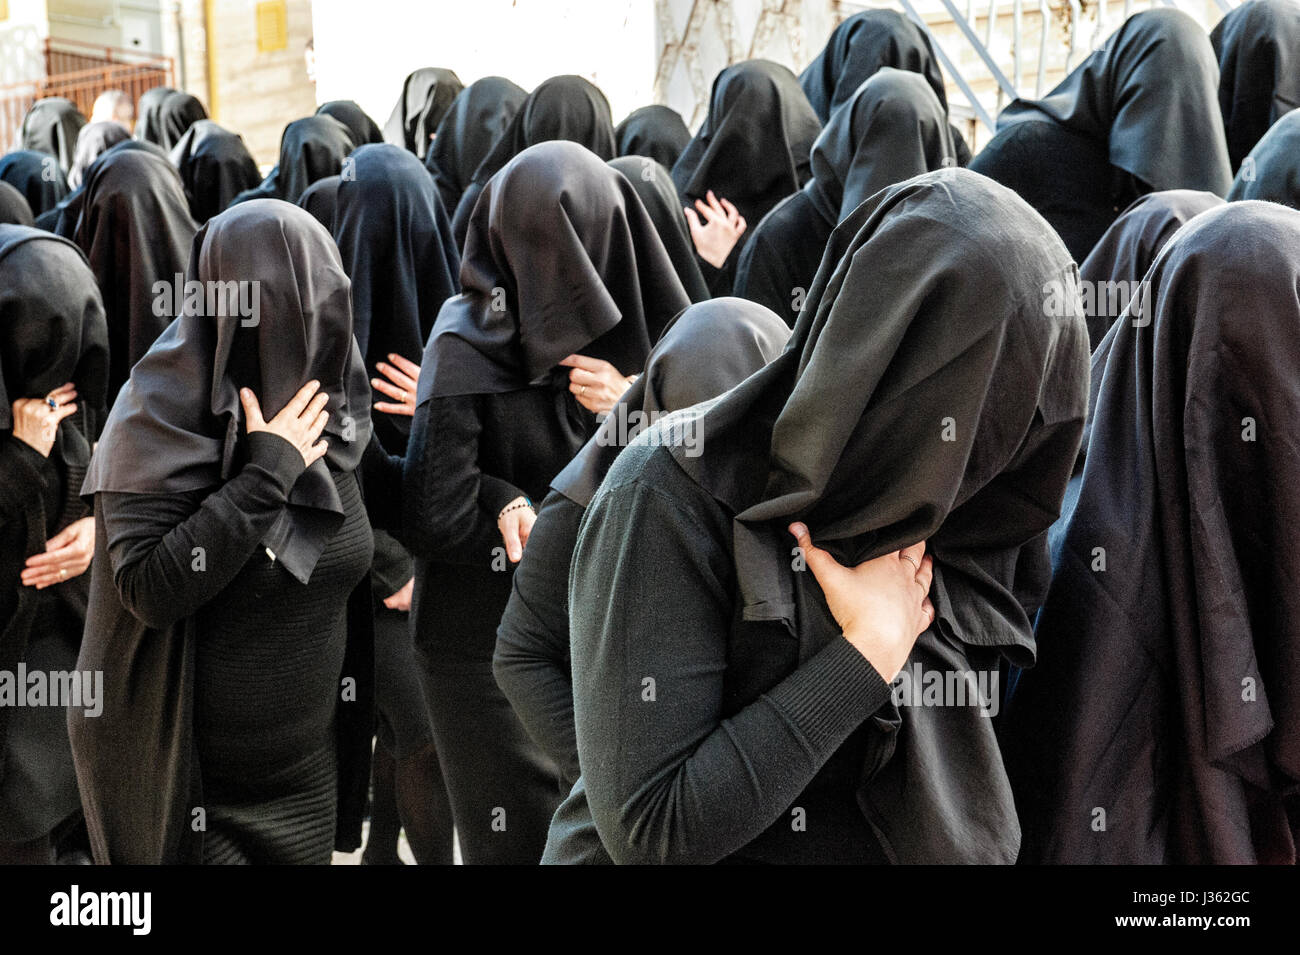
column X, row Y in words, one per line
column 874, row 650
column 516, row 505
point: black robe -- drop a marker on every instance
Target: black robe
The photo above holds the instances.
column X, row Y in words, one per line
column 655, row 131
column 51, row 127
column 148, row 115
column 476, row 119
column 654, row 186
column 37, row 176
column 177, row 112
column 1271, row 171
column 215, row 166
column 1161, row 724
column 363, row 129
column 1258, row 47
column 426, row 95
column 93, row 141
column 321, row 198
column 310, row 149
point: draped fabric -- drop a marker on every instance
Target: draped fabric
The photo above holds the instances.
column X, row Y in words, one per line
column 1272, row 172
column 655, row 131
column 1258, row 48
column 51, row 126
column 37, row 176
column 426, row 95
column 215, row 167
column 654, row 186
column 93, row 141
column 477, row 118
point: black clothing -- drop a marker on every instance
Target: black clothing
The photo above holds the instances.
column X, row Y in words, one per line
column 321, row 198
column 1258, row 48
column 657, row 132
column 1273, row 172
column 310, row 149
column 362, row 128
column 93, row 141
column 14, row 209
column 477, row 118
column 215, row 166
column 177, row 112
column 426, row 95
column 51, row 127
column 148, row 115
column 654, row 187
column 37, row 176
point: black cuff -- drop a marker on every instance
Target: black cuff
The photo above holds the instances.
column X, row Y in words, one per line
column 831, row 694
column 281, row 461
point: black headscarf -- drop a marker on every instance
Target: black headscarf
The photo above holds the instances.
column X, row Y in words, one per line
column 178, row 424
column 890, row 129
column 859, row 47
column 135, row 228
column 51, row 127
column 925, row 395
column 1258, row 46
column 14, row 209
column 1273, row 170
column 62, row 219
column 476, row 120
column 148, row 114
column 1167, row 692
column 37, row 176
column 709, row 348
column 215, row 166
column 426, row 95
column 753, row 146
column 654, row 186
column 395, row 242
column 561, row 108
column 310, row 149
column 1131, row 244
column 560, row 258
column 177, row 112
column 321, row 198
column 360, row 125
column 1150, row 97
column 92, row 142
column 655, row 131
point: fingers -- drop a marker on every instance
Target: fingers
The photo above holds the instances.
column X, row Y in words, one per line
column 580, row 376
column 926, row 574
column 402, row 381
column 64, row 411
column 386, row 407
column 252, row 410
column 63, row 392
column 315, row 452
column 510, row 534
column 710, row 215
column 526, row 519
column 298, row 403
column 716, row 206
column 693, row 221
column 733, row 214
column 61, row 539
column 407, row 367
column 391, row 390
column 68, row 553
column 926, row 618
column 915, row 552
column 583, row 363
column 818, row 561
column 741, row 227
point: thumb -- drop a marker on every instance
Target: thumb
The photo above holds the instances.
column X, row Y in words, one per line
column 252, row 410
column 692, row 219
column 63, row 538
column 510, row 533
column 819, row 562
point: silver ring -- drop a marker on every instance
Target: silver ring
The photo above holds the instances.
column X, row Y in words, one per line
column 583, row 392
column 403, row 397
column 913, row 560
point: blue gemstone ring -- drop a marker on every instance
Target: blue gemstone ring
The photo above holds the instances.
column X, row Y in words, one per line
column 54, row 405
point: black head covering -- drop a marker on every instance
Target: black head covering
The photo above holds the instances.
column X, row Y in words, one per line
column 753, row 147
column 655, row 131
column 709, row 348
column 1149, row 95
column 426, row 95
column 177, row 112
column 924, row 395
column 215, row 166
column 135, row 228
column 62, row 218
column 51, row 127
column 890, row 129
column 359, row 124
column 92, row 142
column 321, row 199
column 395, row 242
column 37, row 176
column 654, row 186
column 1138, row 704
column 310, row 149
column 148, row 114
column 1273, row 170
column 178, row 424
column 14, row 209
column 1131, row 244
column 476, row 120
column 859, row 47
column 1258, row 46
column 581, row 268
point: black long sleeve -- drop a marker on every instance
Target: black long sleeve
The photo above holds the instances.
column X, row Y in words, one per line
column 28, row 479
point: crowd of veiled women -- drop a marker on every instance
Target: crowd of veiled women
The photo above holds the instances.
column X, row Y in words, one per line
column 574, row 492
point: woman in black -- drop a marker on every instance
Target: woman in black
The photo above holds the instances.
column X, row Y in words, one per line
column 215, row 166
column 561, row 108
column 93, row 141
column 321, row 198
column 395, row 242
column 728, row 706
column 709, row 348
column 53, row 364
column 14, row 209
column 359, row 124
column 135, row 228
column 176, row 113
column 654, row 187
column 654, row 131
column 477, row 118
column 1257, row 45
column 310, row 149
column 1126, row 251
column 51, row 127
column 426, row 95
column 560, row 257
column 1138, row 115
column 892, row 128
column 1161, row 724
column 148, row 115
column 37, row 176
column 750, row 153
column 1272, row 172
column 236, row 723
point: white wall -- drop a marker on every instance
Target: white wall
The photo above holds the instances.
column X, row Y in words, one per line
column 365, row 50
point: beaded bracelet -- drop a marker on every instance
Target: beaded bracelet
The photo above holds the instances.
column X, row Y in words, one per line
column 514, row 507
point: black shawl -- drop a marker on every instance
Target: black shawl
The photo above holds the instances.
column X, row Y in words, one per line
column 654, row 186
column 215, row 166
column 1258, row 46
column 924, row 395
column 148, row 115
column 321, row 198
column 135, row 228
column 310, row 149
column 51, row 127
column 37, row 176
column 561, row 108
column 655, row 131
column 14, row 209
column 1126, row 251
column 93, row 141
column 1162, row 722
column 709, row 348
column 51, row 331
column 1271, row 171
column 560, row 257
column 179, row 426
column 363, row 129
column 859, row 47
column 426, row 95
column 1149, row 96
column 177, row 112
column 473, row 124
